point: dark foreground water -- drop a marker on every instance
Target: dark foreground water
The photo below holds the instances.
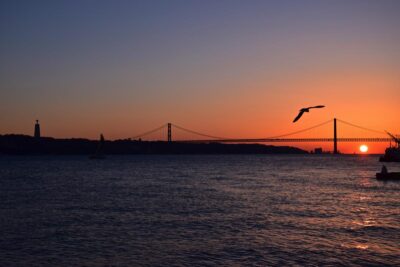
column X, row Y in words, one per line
column 197, row 211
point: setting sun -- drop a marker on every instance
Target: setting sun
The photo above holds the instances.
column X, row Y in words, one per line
column 363, row 148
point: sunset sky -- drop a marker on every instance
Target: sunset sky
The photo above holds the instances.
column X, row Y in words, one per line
column 237, row 69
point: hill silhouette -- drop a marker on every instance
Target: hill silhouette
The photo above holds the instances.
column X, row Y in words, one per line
column 24, row 144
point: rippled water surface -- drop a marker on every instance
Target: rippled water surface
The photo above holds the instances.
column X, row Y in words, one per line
column 197, row 211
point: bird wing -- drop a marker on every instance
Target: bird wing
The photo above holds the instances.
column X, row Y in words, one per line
column 298, row 116
column 320, row 106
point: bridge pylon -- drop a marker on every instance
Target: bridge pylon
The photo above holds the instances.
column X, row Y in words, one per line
column 335, row 150
column 169, row 132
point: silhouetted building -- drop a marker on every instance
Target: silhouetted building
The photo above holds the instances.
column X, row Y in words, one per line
column 318, row 150
column 37, row 129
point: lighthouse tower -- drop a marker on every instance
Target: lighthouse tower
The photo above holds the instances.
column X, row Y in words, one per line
column 37, row 130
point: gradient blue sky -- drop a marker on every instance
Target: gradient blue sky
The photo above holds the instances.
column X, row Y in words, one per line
column 229, row 68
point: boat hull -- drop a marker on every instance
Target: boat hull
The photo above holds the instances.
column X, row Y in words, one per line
column 394, row 176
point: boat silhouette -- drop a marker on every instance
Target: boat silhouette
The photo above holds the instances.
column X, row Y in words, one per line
column 392, row 154
column 384, row 175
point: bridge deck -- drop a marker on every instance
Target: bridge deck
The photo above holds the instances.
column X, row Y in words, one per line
column 289, row 140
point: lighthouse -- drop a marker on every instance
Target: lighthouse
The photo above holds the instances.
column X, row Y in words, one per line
column 37, row 130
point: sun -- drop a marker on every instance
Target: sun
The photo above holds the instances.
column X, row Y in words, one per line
column 363, row 148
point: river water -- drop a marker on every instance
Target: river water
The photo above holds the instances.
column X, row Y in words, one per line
column 198, row 210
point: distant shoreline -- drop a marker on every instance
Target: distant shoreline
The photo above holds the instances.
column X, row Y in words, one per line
column 15, row 144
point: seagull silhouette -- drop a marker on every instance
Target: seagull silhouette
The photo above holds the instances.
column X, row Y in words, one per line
column 305, row 110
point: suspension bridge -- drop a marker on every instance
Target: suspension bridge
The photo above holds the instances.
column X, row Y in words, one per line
column 286, row 138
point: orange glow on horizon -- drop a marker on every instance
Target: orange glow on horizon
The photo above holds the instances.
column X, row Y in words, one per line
column 252, row 109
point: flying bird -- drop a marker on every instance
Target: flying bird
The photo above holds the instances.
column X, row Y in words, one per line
column 305, row 110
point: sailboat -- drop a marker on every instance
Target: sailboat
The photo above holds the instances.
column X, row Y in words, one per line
column 99, row 151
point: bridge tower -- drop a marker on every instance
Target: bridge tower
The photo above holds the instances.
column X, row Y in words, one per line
column 335, row 151
column 169, row 132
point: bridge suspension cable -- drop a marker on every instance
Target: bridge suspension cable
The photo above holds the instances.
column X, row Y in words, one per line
column 301, row 131
column 217, row 138
column 277, row 138
column 198, row 133
column 360, row 127
column 149, row 132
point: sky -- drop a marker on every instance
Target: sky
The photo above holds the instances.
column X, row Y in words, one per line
column 237, row 69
